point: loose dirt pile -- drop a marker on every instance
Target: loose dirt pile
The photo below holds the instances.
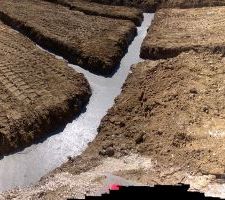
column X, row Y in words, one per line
column 177, row 30
column 38, row 93
column 94, row 43
column 171, row 110
column 91, row 8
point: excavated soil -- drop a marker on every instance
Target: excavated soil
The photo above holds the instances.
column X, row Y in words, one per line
column 171, row 110
column 177, row 30
column 145, row 5
column 91, row 8
column 191, row 3
column 92, row 42
column 167, row 126
column 38, row 92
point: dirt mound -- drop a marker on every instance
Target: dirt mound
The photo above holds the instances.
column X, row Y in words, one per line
column 94, row 43
column 153, row 5
column 145, row 5
column 191, row 3
column 91, row 8
column 177, row 30
column 171, row 110
column 38, row 93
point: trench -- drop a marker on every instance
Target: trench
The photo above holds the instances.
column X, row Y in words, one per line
column 28, row 166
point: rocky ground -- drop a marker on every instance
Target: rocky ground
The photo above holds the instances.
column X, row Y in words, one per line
column 176, row 30
column 92, row 8
column 38, row 92
column 93, row 42
column 166, row 127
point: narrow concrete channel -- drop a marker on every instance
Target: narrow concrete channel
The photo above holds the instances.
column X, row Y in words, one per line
column 28, row 166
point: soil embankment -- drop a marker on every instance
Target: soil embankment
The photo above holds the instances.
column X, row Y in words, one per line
column 145, row 5
column 191, row 3
column 153, row 5
column 38, row 92
column 92, row 42
column 171, row 110
column 92, row 8
column 176, row 30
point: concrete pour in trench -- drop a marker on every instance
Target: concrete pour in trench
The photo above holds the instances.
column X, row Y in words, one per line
column 28, row 166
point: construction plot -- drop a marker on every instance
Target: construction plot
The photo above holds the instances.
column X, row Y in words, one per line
column 91, row 8
column 166, row 127
column 38, row 92
column 177, row 30
column 92, row 42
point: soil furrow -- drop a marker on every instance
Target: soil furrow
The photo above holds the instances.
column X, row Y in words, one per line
column 177, row 30
column 91, row 8
column 38, row 93
column 94, row 43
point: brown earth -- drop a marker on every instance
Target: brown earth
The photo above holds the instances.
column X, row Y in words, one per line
column 38, row 93
column 191, row 3
column 167, row 126
column 93, row 42
column 145, row 5
column 153, row 5
column 176, row 30
column 171, row 110
column 92, row 8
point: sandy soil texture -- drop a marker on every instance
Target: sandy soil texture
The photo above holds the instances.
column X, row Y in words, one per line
column 95, row 43
column 177, row 30
column 38, row 92
column 153, row 5
column 92, row 8
column 145, row 5
column 167, row 126
column 191, row 3
column 171, row 110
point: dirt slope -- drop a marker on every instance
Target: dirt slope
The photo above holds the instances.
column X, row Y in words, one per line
column 145, row 5
column 153, row 5
column 171, row 110
column 191, row 3
column 37, row 92
column 94, row 43
column 92, row 8
column 177, row 30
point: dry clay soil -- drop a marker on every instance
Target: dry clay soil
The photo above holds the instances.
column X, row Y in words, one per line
column 165, row 127
column 92, row 8
column 38, row 93
column 153, row 5
column 93, row 42
column 191, row 3
column 171, row 110
column 176, row 30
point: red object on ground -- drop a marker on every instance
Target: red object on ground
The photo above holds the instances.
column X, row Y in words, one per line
column 114, row 187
